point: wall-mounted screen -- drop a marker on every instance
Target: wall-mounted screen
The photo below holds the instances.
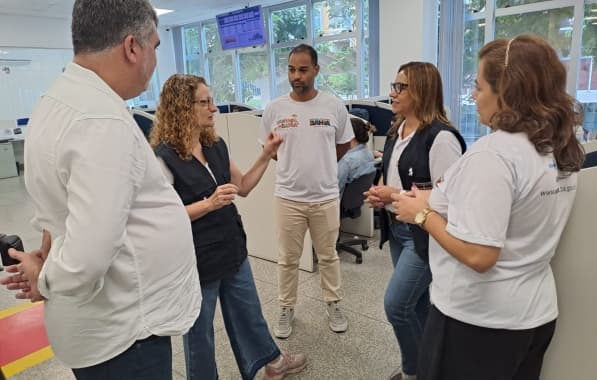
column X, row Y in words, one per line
column 241, row 28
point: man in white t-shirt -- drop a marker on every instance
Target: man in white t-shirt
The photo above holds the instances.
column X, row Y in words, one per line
column 316, row 130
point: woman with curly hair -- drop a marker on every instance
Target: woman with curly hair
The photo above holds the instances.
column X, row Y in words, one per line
column 496, row 220
column 196, row 162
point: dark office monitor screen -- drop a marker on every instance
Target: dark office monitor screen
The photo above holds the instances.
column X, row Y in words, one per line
column 241, row 28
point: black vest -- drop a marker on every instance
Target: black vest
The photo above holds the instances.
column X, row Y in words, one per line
column 219, row 237
column 413, row 166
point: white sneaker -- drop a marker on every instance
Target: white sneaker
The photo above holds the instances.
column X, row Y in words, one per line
column 283, row 328
column 338, row 322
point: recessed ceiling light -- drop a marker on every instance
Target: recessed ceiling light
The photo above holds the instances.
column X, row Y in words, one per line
column 160, row 11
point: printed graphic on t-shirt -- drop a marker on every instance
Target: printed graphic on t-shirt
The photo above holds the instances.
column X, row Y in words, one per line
column 288, row 122
column 560, row 189
column 320, row 123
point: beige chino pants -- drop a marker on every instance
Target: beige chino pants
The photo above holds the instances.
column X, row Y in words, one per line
column 323, row 221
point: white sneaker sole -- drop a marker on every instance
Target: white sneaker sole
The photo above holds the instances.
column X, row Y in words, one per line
column 284, row 334
column 337, row 328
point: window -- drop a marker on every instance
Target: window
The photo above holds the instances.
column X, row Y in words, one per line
column 221, row 65
column 281, row 73
column 334, row 17
column 338, row 29
column 212, row 38
column 553, row 21
column 365, row 52
column 337, row 75
column 470, row 127
column 335, row 36
column 254, row 74
column 289, row 24
column 586, row 85
column 553, row 25
column 474, row 6
column 221, row 78
column 192, row 51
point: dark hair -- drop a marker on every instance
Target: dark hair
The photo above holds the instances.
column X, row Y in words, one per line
column 425, row 89
column 101, row 24
column 175, row 118
column 304, row 48
column 530, row 81
column 361, row 129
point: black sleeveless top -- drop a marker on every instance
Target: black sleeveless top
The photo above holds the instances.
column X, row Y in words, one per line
column 413, row 166
column 219, row 237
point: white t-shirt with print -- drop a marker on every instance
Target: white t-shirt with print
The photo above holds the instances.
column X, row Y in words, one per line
column 307, row 169
column 501, row 193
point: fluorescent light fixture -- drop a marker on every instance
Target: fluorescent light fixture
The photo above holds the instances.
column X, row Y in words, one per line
column 160, row 11
column 591, row 18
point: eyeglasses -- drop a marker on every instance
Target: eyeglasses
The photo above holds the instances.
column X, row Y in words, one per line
column 398, row 87
column 204, row 102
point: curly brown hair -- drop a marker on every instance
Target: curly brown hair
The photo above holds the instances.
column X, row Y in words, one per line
column 176, row 119
column 530, row 81
column 425, row 88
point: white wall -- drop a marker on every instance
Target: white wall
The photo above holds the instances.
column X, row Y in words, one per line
column 21, row 85
column 166, row 61
column 35, row 32
column 407, row 32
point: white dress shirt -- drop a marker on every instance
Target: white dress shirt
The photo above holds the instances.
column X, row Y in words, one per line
column 122, row 265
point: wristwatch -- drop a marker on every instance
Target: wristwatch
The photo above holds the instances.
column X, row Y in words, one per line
column 421, row 216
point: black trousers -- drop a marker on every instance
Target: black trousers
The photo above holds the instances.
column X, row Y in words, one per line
column 453, row 350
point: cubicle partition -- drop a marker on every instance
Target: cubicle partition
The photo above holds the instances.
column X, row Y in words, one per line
column 573, row 350
column 240, row 131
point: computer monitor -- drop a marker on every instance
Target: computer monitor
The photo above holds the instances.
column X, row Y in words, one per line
column 241, row 28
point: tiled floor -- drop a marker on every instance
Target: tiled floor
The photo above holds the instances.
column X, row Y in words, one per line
column 368, row 350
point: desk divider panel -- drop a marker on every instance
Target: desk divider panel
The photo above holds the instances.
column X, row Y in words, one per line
column 573, row 350
column 257, row 209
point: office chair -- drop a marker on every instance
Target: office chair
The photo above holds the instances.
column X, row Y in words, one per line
column 350, row 207
column 144, row 121
column 590, row 160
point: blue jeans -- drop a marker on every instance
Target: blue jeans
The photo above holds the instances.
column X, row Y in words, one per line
column 406, row 301
column 147, row 359
column 247, row 330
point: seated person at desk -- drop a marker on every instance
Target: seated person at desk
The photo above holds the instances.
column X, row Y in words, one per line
column 359, row 160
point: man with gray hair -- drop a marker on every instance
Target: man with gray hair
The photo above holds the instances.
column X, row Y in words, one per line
column 119, row 277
